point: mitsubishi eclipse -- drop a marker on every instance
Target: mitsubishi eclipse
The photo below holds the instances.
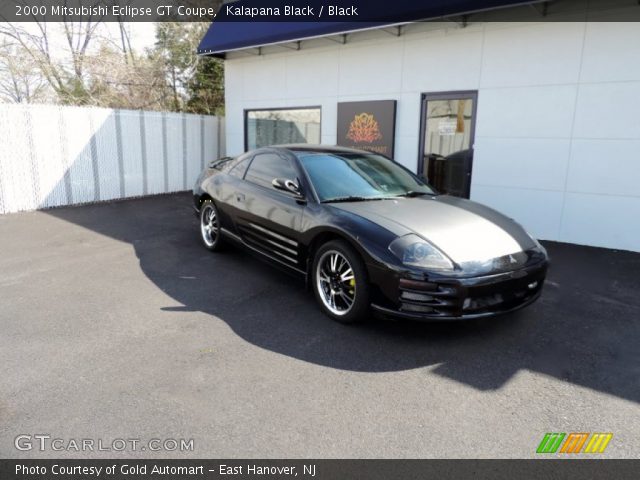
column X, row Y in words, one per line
column 367, row 234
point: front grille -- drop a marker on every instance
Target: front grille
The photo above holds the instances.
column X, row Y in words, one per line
column 452, row 298
column 503, row 296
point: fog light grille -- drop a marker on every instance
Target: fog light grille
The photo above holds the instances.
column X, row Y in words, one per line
column 408, row 307
column 418, row 297
column 428, row 297
column 405, row 283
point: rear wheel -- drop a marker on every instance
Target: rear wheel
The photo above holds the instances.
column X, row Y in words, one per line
column 210, row 226
column 340, row 282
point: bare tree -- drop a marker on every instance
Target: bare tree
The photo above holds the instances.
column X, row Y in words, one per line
column 81, row 63
column 125, row 42
column 138, row 84
column 64, row 75
column 20, row 81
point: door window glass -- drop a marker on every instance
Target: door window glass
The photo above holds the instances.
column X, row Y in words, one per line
column 265, row 167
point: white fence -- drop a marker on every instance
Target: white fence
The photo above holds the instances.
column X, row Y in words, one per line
column 52, row 155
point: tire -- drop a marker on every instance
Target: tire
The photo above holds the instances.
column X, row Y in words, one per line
column 210, row 226
column 340, row 283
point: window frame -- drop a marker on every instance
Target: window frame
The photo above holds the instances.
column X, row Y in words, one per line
column 246, row 112
column 240, row 159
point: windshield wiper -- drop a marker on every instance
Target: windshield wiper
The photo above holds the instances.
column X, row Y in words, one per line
column 413, row 193
column 353, row 198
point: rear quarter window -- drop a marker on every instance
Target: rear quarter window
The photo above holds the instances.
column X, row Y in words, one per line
column 239, row 168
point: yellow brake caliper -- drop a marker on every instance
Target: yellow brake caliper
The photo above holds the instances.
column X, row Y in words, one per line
column 352, row 285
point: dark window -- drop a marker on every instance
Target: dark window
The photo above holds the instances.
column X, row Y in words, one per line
column 280, row 126
column 238, row 169
column 267, row 166
column 448, row 121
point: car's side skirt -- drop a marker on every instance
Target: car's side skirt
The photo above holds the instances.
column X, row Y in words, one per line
column 262, row 253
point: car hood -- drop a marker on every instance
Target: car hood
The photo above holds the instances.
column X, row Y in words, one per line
column 466, row 231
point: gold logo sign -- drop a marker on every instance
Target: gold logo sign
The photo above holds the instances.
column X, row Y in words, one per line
column 364, row 128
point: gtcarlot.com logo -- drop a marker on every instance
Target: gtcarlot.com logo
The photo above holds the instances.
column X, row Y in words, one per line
column 43, row 442
column 574, row 442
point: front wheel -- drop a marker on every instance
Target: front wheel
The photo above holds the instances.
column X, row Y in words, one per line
column 210, row 226
column 340, row 282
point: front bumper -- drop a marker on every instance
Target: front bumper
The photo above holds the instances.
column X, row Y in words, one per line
column 463, row 298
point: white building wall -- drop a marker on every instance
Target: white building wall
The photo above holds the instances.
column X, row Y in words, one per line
column 557, row 143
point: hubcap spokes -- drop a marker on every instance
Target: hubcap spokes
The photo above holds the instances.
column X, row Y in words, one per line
column 336, row 282
column 209, row 225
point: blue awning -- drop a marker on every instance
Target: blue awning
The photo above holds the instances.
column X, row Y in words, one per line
column 260, row 28
column 224, row 37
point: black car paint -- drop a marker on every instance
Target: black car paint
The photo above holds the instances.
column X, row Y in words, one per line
column 286, row 229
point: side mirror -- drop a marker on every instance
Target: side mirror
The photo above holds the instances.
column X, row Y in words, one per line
column 286, row 185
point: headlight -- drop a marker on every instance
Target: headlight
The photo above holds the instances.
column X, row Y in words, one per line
column 416, row 252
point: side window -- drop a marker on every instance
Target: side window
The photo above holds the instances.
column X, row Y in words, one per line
column 267, row 166
column 239, row 168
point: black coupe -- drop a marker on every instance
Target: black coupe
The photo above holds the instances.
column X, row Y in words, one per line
column 367, row 234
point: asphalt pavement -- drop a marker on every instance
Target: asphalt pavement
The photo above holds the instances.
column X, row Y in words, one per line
column 116, row 324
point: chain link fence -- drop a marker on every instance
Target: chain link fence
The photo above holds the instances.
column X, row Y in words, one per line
column 54, row 155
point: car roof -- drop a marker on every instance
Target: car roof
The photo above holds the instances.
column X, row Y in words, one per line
column 310, row 148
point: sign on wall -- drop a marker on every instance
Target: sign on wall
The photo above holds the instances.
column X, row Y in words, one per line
column 367, row 126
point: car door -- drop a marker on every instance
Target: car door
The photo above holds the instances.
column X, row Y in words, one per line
column 268, row 219
column 226, row 187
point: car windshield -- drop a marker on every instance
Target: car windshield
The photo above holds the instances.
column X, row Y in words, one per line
column 359, row 177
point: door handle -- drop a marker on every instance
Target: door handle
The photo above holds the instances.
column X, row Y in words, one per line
column 239, row 197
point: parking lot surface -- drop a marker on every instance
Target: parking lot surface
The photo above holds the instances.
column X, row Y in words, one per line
column 116, row 323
